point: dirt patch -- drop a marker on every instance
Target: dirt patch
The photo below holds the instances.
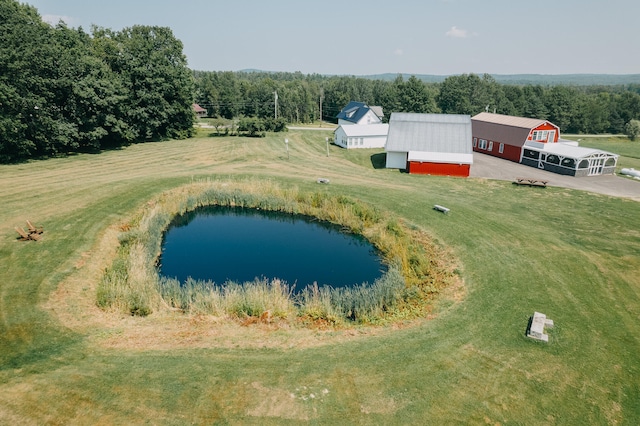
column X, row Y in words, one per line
column 278, row 403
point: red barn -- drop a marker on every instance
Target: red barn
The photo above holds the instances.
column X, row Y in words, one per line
column 504, row 136
column 537, row 143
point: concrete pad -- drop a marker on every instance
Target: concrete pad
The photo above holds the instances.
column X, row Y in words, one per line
column 489, row 167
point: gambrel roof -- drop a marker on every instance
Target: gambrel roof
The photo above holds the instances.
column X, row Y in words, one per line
column 509, row 120
column 506, row 128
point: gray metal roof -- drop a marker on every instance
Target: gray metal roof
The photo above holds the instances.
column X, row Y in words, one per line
column 377, row 110
column 365, row 130
column 571, row 151
column 429, row 132
column 509, row 120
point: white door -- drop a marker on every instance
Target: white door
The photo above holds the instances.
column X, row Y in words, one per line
column 551, row 136
column 595, row 166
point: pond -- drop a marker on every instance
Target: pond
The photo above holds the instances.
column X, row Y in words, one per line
column 223, row 244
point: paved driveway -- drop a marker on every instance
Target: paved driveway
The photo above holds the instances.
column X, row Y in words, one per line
column 487, row 166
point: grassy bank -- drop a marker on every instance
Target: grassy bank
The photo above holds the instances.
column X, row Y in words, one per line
column 417, row 268
column 569, row 254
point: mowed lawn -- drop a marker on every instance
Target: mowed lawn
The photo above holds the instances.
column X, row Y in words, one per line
column 572, row 255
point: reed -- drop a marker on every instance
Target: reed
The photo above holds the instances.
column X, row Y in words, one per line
column 132, row 283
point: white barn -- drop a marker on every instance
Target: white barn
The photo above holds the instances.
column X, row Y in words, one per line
column 369, row 136
column 436, row 144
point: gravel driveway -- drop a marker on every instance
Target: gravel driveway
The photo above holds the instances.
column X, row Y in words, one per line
column 489, row 167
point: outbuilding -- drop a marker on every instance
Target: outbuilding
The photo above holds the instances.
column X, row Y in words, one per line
column 537, row 143
column 200, row 112
column 435, row 144
column 360, row 113
column 366, row 136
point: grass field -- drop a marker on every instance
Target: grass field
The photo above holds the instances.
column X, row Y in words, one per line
column 628, row 150
column 572, row 255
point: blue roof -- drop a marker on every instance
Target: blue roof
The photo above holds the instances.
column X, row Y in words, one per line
column 354, row 111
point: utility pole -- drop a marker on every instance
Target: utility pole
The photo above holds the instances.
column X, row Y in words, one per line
column 275, row 112
column 321, row 99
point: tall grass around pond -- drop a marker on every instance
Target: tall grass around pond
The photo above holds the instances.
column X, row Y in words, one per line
column 418, row 268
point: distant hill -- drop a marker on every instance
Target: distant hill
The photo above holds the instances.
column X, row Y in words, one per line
column 532, row 79
column 517, row 79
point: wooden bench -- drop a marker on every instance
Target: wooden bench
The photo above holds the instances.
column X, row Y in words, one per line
column 33, row 229
column 537, row 323
column 34, row 233
column 24, row 236
column 531, row 182
column 441, row 209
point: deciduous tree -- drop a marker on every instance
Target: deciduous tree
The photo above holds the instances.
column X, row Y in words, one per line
column 633, row 129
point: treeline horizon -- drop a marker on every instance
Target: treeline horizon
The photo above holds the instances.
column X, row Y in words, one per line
column 64, row 90
column 306, row 98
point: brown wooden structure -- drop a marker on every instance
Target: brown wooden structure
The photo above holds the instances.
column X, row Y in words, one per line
column 32, row 233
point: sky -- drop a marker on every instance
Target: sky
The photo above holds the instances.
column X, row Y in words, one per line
column 341, row 37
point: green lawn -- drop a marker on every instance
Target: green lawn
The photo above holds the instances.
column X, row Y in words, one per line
column 628, row 150
column 572, row 255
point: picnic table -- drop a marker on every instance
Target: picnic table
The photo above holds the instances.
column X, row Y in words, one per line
column 531, row 182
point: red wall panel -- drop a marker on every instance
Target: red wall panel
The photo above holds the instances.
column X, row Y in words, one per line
column 439, row 169
column 509, row 152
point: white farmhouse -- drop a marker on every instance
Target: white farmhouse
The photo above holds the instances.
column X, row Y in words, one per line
column 360, row 113
column 370, row 136
column 360, row 126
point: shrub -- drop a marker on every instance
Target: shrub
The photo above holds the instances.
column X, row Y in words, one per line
column 632, row 129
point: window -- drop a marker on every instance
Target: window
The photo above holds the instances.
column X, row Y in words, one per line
column 501, row 148
column 553, row 159
column 483, row 144
column 490, row 146
column 475, row 142
column 540, row 135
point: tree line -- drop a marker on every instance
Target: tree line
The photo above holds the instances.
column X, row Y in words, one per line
column 64, row 90
column 307, row 98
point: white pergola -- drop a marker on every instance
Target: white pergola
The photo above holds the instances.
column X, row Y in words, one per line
column 566, row 154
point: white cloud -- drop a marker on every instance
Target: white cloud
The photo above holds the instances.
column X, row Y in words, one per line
column 456, row 32
column 398, row 52
column 54, row 19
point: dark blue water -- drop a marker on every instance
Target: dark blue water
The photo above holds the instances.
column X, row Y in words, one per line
column 233, row 244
